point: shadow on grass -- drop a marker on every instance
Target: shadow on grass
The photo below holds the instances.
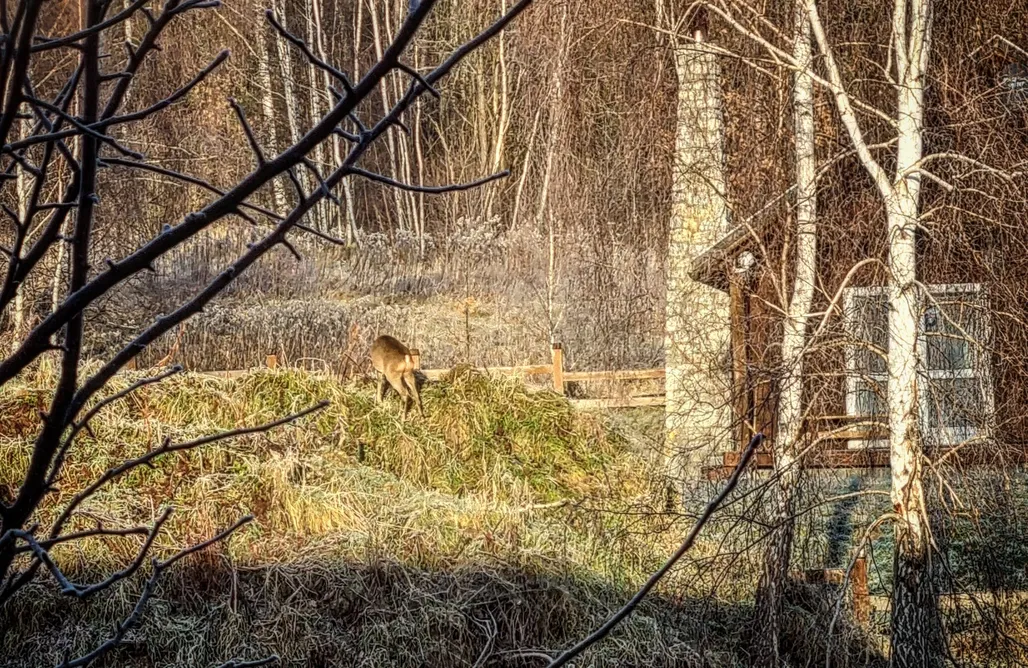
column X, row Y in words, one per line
column 316, row 614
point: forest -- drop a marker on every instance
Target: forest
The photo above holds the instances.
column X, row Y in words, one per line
column 717, row 310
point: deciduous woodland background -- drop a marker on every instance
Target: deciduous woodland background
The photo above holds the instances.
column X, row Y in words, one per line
column 506, row 525
column 578, row 104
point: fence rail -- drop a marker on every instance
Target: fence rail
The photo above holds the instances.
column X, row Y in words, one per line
column 555, row 369
column 560, row 378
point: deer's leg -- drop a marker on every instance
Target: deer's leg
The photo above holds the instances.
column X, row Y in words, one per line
column 411, row 381
column 381, row 387
column 397, row 384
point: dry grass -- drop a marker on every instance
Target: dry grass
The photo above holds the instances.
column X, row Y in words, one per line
column 503, row 515
column 503, row 521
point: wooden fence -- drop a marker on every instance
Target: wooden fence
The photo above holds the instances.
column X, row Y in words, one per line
column 862, row 600
column 560, row 378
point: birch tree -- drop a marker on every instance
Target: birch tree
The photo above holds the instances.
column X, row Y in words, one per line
column 788, row 431
column 916, row 637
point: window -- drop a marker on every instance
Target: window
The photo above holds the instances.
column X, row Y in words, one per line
column 954, row 383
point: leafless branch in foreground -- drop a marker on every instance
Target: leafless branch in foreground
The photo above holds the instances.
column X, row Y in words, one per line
column 56, row 137
column 239, row 663
column 704, row 517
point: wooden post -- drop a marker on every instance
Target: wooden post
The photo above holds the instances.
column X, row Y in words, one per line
column 740, row 385
column 861, row 599
column 415, row 355
column 558, row 369
column 272, row 361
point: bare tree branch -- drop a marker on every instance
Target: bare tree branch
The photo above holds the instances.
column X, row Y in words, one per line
column 428, row 189
column 704, row 517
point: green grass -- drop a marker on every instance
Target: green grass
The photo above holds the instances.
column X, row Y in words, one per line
column 503, row 520
column 495, row 494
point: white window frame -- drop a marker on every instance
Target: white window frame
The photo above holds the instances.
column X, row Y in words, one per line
column 849, row 297
column 941, row 436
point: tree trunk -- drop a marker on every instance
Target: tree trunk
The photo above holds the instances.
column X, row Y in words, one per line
column 697, row 388
column 337, row 153
column 285, row 65
column 315, row 102
column 23, row 191
column 394, row 164
column 523, row 178
column 268, row 111
column 555, row 117
column 501, row 100
column 916, row 634
column 916, row 631
column 788, row 432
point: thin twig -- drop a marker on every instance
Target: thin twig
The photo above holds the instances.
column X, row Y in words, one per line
column 372, row 176
column 122, row 628
column 708, row 512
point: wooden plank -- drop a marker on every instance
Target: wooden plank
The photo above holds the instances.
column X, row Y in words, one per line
column 532, row 370
column 557, row 368
column 827, row 459
column 741, row 396
column 630, row 402
column 964, row 602
column 626, row 374
column 866, row 458
column 232, row 373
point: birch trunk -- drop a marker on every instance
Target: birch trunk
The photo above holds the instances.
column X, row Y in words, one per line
column 698, row 391
column 334, row 142
column 916, row 632
column 515, row 216
column 398, row 195
column 268, row 111
column 916, row 635
column 555, row 118
column 503, row 122
column 285, row 64
column 419, row 210
column 314, row 107
column 788, row 432
column 23, row 190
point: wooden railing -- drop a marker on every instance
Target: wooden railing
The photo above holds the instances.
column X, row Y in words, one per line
column 857, row 582
column 560, row 378
column 555, row 369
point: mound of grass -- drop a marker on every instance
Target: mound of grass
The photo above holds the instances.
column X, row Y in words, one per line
column 496, row 490
column 354, row 480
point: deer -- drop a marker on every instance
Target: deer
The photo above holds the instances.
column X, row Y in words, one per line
column 393, row 362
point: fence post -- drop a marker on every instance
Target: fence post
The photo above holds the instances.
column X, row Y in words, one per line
column 861, row 599
column 415, row 356
column 272, row 361
column 558, row 369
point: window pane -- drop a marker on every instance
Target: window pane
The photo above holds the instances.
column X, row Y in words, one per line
column 869, row 398
column 953, row 332
column 870, row 326
column 955, row 403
